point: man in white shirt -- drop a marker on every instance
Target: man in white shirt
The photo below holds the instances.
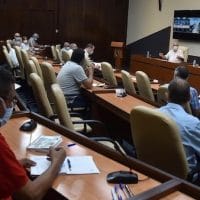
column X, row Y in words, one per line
column 174, row 55
column 33, row 40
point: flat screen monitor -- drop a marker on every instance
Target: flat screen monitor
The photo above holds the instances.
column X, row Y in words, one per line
column 186, row 24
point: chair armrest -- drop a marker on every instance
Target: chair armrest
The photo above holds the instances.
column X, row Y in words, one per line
column 95, row 124
column 106, row 139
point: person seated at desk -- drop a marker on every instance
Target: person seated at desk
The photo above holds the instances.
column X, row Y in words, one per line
column 66, row 47
column 174, row 55
column 17, row 38
column 33, row 40
column 72, row 76
column 25, row 44
column 189, row 126
column 89, row 50
column 183, row 73
column 12, row 53
column 14, row 181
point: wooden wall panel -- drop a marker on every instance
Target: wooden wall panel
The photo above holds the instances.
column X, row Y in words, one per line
column 96, row 21
column 80, row 21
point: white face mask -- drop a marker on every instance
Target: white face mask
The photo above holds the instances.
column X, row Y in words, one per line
column 175, row 48
column 6, row 116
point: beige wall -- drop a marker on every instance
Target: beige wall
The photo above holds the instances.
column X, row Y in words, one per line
column 144, row 19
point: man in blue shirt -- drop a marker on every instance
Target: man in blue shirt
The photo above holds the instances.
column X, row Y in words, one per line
column 183, row 73
column 189, row 126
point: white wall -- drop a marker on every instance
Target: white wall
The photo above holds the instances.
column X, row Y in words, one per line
column 144, row 18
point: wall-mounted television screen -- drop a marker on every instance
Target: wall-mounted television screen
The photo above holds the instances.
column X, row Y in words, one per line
column 186, row 24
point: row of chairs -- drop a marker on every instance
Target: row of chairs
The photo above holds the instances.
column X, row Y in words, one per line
column 143, row 85
column 58, row 55
column 143, row 82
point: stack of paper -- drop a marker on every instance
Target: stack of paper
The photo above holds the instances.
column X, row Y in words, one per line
column 43, row 143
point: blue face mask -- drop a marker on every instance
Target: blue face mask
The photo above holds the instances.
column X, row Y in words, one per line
column 6, row 116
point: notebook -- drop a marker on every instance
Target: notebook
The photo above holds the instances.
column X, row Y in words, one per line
column 71, row 165
column 43, row 143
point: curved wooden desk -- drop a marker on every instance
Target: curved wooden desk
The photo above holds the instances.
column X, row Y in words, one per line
column 162, row 70
column 95, row 187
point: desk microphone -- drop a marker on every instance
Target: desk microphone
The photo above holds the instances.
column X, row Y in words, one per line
column 125, row 177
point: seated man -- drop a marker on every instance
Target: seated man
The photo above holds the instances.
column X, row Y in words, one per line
column 89, row 50
column 72, row 76
column 17, row 38
column 66, row 47
column 189, row 126
column 12, row 53
column 183, row 73
column 33, row 40
column 174, row 55
column 13, row 178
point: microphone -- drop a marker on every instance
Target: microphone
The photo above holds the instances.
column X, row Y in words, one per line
column 125, row 177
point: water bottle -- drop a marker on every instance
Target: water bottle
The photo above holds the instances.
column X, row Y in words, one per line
column 194, row 63
column 148, row 54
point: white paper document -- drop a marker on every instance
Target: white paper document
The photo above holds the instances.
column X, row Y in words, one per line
column 71, row 165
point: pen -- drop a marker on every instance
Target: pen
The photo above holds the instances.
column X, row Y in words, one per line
column 114, row 195
column 70, row 145
column 122, row 187
column 118, row 195
column 69, row 164
column 129, row 191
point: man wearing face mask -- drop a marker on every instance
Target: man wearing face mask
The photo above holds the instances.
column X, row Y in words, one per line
column 33, row 40
column 89, row 50
column 14, row 181
column 25, row 44
column 175, row 55
column 17, row 38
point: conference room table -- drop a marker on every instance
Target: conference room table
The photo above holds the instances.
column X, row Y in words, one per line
column 163, row 70
column 153, row 183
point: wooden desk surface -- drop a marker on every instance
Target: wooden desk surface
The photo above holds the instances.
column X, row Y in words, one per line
column 163, row 70
column 121, row 106
column 95, row 187
column 84, row 187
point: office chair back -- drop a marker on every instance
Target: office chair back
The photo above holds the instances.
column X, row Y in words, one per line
column 21, row 64
column 25, row 60
column 162, row 94
column 37, row 65
column 8, row 59
column 58, row 46
column 40, row 95
column 185, row 51
column 49, row 77
column 65, row 56
column 58, row 54
column 32, row 67
column 158, row 142
column 144, row 86
column 61, row 107
column 108, row 74
column 53, row 51
column 128, row 82
column 8, row 46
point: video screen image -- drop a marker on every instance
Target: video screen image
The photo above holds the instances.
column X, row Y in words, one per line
column 187, row 25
